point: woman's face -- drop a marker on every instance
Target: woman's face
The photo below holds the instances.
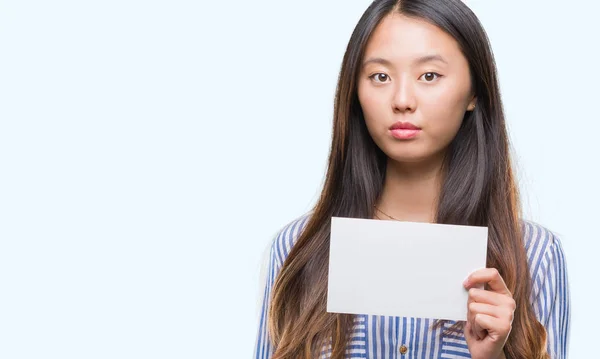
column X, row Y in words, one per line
column 414, row 88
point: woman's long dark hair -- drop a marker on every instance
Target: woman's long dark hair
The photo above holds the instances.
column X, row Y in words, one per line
column 478, row 189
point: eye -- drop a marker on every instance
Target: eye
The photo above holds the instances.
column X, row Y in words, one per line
column 379, row 77
column 430, row 76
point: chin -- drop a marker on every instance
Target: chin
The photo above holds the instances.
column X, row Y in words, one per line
column 413, row 155
column 408, row 159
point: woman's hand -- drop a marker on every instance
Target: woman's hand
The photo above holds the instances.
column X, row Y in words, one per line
column 490, row 314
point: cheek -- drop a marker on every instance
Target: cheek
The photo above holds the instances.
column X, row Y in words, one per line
column 371, row 101
column 373, row 106
column 444, row 113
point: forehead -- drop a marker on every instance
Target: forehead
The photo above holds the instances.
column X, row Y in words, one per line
column 401, row 38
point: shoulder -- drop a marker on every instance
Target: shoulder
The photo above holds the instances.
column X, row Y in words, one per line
column 543, row 248
column 550, row 291
column 286, row 238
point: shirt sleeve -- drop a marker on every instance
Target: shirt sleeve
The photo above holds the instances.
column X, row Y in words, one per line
column 552, row 301
column 263, row 347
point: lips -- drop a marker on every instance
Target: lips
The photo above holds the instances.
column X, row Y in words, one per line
column 404, row 126
column 404, row 131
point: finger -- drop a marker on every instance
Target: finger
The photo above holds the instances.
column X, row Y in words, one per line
column 470, row 314
column 489, row 297
column 478, row 331
column 488, row 309
column 475, row 330
column 489, row 276
column 497, row 328
column 469, row 332
column 491, row 310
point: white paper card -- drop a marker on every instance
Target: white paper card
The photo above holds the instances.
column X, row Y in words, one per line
column 404, row 269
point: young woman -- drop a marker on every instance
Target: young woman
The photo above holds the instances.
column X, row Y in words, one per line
column 419, row 135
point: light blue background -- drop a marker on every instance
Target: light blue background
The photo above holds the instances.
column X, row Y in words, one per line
column 149, row 151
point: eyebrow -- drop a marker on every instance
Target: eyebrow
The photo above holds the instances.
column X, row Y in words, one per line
column 417, row 61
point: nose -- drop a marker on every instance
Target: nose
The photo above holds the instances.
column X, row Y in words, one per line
column 404, row 99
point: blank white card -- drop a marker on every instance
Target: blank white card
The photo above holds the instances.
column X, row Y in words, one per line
column 404, row 269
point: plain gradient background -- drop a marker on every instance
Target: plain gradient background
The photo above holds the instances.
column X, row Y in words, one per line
column 150, row 150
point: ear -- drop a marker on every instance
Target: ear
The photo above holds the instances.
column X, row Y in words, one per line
column 471, row 105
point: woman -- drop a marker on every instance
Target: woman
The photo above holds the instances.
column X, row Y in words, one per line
column 419, row 135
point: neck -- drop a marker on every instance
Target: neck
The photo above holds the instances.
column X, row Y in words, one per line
column 411, row 190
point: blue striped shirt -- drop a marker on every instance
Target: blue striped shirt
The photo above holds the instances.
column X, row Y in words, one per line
column 383, row 336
